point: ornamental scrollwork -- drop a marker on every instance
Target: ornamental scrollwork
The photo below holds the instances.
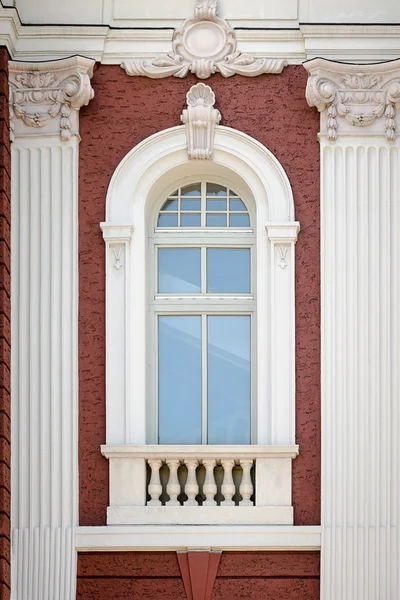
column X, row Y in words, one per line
column 204, row 44
column 359, row 96
column 41, row 92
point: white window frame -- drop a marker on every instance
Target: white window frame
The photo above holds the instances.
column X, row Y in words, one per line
column 138, row 183
column 172, row 304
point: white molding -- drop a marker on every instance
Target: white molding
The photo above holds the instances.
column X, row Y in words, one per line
column 224, row 537
column 138, row 184
column 44, row 435
column 357, row 43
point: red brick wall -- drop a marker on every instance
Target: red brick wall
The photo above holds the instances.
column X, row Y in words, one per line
column 5, row 340
column 126, row 110
column 156, row 576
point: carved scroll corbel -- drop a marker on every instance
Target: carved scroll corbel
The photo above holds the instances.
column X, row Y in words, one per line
column 200, row 119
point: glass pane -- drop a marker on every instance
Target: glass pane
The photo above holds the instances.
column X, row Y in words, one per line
column 239, row 220
column 179, row 270
column 231, row 193
column 170, row 205
column 190, row 220
column 228, row 270
column 216, row 190
column 168, row 220
column 228, row 380
column 179, row 380
column 219, row 204
column 216, row 220
column 237, row 205
column 191, row 190
column 190, row 204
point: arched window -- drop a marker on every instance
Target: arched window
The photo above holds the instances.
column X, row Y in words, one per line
column 200, row 333
column 202, row 312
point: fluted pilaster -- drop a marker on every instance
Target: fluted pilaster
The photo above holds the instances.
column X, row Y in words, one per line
column 360, row 290
column 45, row 329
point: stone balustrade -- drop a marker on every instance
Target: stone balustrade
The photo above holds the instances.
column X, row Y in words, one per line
column 200, row 484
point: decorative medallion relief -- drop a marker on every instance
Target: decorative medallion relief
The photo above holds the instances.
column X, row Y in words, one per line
column 203, row 45
column 40, row 93
column 200, row 119
column 360, row 94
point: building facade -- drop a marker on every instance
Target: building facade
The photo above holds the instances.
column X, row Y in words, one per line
column 199, row 280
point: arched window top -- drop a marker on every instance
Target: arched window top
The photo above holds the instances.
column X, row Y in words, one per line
column 204, row 204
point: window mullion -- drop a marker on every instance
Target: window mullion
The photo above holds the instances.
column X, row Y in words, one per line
column 204, row 379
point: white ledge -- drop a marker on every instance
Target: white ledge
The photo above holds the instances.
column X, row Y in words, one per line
column 225, row 537
column 199, row 452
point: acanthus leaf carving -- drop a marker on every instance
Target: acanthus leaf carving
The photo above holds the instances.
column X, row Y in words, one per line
column 361, row 95
column 40, row 92
column 203, row 45
column 200, row 119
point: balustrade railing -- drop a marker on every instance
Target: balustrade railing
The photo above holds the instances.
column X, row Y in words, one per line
column 200, row 484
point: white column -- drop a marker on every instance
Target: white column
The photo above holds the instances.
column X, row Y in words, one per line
column 360, row 293
column 44, row 102
column 282, row 325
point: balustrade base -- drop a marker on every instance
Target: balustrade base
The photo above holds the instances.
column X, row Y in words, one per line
column 199, row 515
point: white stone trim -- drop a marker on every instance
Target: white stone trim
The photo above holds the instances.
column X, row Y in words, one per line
column 136, row 188
column 357, row 43
column 44, row 435
column 360, row 351
column 225, row 537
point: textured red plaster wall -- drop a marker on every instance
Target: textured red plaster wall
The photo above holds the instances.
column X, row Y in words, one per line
column 156, row 576
column 5, row 338
column 125, row 110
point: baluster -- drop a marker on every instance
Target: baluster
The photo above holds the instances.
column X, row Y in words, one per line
column 155, row 487
column 209, row 487
column 228, row 487
column 246, row 485
column 191, row 487
column 173, row 485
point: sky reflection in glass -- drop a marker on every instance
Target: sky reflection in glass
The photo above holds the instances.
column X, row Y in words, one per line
column 179, row 379
column 179, row 270
column 228, row 270
column 228, row 379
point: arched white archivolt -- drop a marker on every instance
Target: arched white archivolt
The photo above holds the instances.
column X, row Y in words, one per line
column 137, row 187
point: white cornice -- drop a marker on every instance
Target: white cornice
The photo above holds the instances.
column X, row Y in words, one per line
column 357, row 43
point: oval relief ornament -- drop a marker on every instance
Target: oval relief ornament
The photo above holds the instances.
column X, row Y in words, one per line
column 203, row 45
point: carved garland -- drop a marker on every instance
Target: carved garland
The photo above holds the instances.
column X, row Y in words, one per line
column 203, row 45
column 41, row 92
column 359, row 97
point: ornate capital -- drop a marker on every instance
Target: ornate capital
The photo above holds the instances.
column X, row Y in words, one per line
column 45, row 97
column 200, row 119
column 203, row 45
column 355, row 95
